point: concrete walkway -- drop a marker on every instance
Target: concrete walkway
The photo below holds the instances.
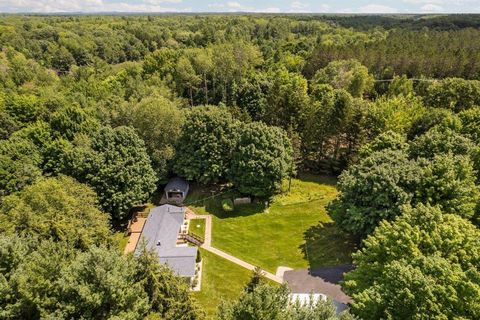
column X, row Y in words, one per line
column 207, row 245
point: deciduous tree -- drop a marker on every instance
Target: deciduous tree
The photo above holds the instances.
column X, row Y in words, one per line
column 422, row 265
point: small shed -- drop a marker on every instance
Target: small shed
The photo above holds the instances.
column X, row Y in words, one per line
column 176, row 190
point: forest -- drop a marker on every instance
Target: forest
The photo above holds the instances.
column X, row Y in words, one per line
column 97, row 112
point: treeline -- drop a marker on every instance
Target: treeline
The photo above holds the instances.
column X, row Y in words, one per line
column 421, row 53
column 411, row 21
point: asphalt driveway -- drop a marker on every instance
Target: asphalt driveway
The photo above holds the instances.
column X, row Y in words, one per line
column 319, row 280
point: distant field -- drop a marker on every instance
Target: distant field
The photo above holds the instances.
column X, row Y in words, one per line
column 295, row 231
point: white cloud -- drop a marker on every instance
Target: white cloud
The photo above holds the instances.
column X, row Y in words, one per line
column 269, row 10
column 235, row 5
column 432, row 8
column 376, row 8
column 56, row 6
column 299, row 5
column 451, row 2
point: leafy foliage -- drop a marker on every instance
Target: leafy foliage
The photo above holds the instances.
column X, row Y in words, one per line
column 422, row 265
column 268, row 302
column 58, row 209
column 373, row 190
column 350, row 75
column 261, row 160
column 116, row 165
column 205, row 146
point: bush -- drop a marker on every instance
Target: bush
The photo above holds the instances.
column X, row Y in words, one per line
column 227, row 205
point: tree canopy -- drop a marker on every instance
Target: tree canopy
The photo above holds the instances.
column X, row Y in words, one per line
column 424, row 264
column 116, row 165
column 261, row 160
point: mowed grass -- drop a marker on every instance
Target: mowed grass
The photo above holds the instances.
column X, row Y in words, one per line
column 221, row 280
column 197, row 228
column 295, row 231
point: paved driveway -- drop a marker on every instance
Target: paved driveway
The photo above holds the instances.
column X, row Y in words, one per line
column 319, row 280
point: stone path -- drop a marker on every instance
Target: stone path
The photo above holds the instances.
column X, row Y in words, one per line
column 207, row 245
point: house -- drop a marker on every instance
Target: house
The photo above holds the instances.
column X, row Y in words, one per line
column 305, row 299
column 162, row 233
column 176, row 190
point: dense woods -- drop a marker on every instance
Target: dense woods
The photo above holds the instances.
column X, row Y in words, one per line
column 97, row 112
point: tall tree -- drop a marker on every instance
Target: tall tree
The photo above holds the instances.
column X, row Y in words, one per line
column 116, row 165
column 454, row 93
column 350, row 75
column 261, row 160
column 423, row 265
column 203, row 152
column 59, row 209
column 373, row 190
column 158, row 121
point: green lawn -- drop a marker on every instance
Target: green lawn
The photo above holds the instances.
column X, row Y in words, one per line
column 197, row 228
column 221, row 280
column 295, row 231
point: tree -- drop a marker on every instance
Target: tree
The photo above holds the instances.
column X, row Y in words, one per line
column 158, row 121
column 54, row 281
column 70, row 120
column 373, row 190
column 168, row 295
column 350, row 75
column 252, row 95
column 453, row 93
column 389, row 140
column 186, row 77
column 58, row 209
column 435, row 116
column 400, row 86
column 423, row 265
column 287, row 100
column 203, row 152
column 261, row 160
column 448, row 181
column 255, row 279
column 272, row 302
column 440, row 140
column 470, row 120
column 264, row 302
column 20, row 162
column 116, row 165
column 397, row 114
column 101, row 284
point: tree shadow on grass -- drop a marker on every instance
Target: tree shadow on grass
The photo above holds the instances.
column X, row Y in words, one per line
column 322, row 179
column 215, row 207
column 326, row 245
column 211, row 198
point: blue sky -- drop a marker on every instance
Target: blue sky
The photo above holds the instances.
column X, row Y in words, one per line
column 327, row 6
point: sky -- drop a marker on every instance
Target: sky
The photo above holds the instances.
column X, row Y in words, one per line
column 269, row 6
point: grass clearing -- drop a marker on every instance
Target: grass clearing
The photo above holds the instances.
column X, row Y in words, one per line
column 197, row 228
column 221, row 280
column 295, row 231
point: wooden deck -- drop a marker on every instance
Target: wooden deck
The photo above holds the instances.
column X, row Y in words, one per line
column 135, row 229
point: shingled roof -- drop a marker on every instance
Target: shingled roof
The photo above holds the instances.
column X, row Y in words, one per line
column 160, row 233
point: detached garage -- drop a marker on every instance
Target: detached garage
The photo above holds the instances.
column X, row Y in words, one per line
column 176, row 190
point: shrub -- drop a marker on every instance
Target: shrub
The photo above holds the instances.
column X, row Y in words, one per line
column 227, row 205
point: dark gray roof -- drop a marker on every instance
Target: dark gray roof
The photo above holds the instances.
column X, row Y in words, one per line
column 162, row 227
column 177, row 184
